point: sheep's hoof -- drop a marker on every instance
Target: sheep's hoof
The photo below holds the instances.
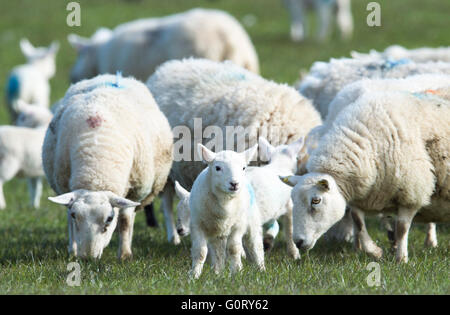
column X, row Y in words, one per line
column 268, row 242
column 431, row 243
column 403, row 259
column 377, row 253
column 294, row 253
column 126, row 256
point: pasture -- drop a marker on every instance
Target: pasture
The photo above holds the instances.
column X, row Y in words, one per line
column 33, row 243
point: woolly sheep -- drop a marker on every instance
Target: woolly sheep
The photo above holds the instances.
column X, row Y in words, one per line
column 201, row 98
column 20, row 150
column 138, row 47
column 30, row 82
column 325, row 9
column 424, row 54
column 107, row 150
column 379, row 156
column 325, row 80
column 224, row 211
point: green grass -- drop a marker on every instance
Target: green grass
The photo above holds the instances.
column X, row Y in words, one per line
column 33, row 243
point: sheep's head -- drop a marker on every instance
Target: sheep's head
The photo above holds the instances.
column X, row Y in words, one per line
column 318, row 205
column 183, row 210
column 42, row 57
column 93, row 217
column 32, row 116
column 285, row 156
column 227, row 168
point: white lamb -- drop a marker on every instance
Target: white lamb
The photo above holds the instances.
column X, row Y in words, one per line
column 204, row 100
column 224, row 211
column 325, row 80
column 380, row 156
column 424, row 54
column 138, row 47
column 30, row 82
column 108, row 144
column 20, row 150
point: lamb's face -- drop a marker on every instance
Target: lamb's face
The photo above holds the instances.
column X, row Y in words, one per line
column 183, row 211
column 318, row 205
column 93, row 218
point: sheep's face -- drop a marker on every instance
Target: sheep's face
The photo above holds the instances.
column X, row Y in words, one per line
column 183, row 211
column 85, row 65
column 318, row 205
column 92, row 218
column 227, row 168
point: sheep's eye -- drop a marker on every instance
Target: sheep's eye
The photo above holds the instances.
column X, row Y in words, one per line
column 218, row 168
column 109, row 219
column 243, row 168
column 315, row 200
column 72, row 214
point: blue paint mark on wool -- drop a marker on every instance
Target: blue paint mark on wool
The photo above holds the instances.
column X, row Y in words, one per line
column 118, row 84
column 390, row 63
column 12, row 91
column 252, row 194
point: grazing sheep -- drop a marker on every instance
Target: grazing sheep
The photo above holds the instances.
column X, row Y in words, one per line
column 325, row 11
column 325, row 80
column 424, row 54
column 29, row 82
column 138, row 47
column 223, row 212
column 203, row 99
column 108, row 144
column 380, row 156
column 20, row 149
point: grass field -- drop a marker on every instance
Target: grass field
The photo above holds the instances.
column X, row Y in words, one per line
column 33, row 243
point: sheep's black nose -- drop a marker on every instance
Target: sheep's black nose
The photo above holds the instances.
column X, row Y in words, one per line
column 299, row 244
column 234, row 185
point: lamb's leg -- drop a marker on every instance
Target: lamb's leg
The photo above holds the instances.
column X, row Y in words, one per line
column 218, row 253
column 296, row 10
column 2, row 197
column 402, row 225
column 199, row 251
column 288, row 229
column 270, row 234
column 254, row 245
column 345, row 19
column 35, row 188
column 126, row 222
column 325, row 13
column 362, row 238
column 167, row 203
column 431, row 239
column 234, row 249
column 72, row 243
column 9, row 167
column 150, row 216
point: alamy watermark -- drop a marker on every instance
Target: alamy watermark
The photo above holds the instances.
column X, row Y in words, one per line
column 374, row 277
column 374, row 17
column 74, row 17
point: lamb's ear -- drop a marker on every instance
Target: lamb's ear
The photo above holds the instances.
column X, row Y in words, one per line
column 323, row 185
column 64, row 199
column 207, row 155
column 120, row 202
column 291, row 180
column 266, row 150
column 78, row 42
column 180, row 191
column 27, row 48
column 295, row 147
column 250, row 153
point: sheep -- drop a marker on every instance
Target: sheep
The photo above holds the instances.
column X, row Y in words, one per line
column 272, row 197
column 138, row 47
column 325, row 80
column 30, row 82
column 20, row 150
column 380, row 156
column 424, row 54
column 202, row 98
column 299, row 29
column 223, row 212
column 107, row 150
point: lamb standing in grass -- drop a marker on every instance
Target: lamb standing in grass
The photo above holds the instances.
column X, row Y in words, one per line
column 379, row 156
column 21, row 147
column 138, row 47
column 224, row 211
column 30, row 82
column 108, row 144
column 223, row 96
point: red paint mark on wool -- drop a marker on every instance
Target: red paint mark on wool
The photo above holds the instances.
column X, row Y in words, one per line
column 94, row 121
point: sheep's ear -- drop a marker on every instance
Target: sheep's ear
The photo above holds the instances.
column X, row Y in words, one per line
column 180, row 191
column 207, row 155
column 54, row 47
column 295, row 147
column 78, row 42
column 27, row 48
column 64, row 199
column 266, row 150
column 323, row 185
column 120, row 202
column 291, row 180
column 250, row 153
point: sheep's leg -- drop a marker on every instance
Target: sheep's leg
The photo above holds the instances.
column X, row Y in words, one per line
column 234, row 250
column 150, row 216
column 288, row 229
column 35, row 188
column 270, row 234
column 218, row 253
column 254, row 245
column 167, row 203
column 344, row 18
column 126, row 222
column 387, row 224
column 362, row 237
column 8, row 169
column 402, row 225
column 431, row 239
column 325, row 13
column 296, row 10
column 199, row 251
column 72, row 242
column 2, row 197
